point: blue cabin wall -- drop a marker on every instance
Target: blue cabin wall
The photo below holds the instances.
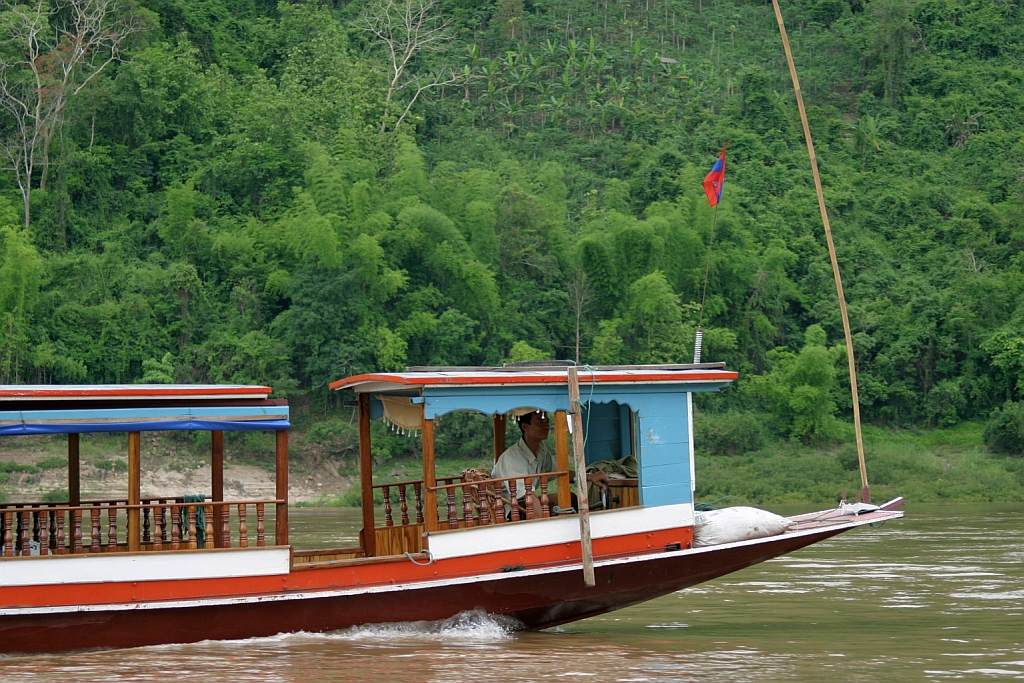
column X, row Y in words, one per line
column 663, row 438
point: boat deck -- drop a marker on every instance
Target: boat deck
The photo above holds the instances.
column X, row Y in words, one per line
column 828, row 518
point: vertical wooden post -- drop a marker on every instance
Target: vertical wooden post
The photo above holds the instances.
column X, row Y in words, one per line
column 429, row 477
column 499, row 435
column 575, row 410
column 134, row 489
column 217, row 483
column 366, row 476
column 562, row 459
column 281, row 477
column 74, row 472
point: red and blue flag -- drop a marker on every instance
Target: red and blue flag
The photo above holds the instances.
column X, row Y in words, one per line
column 715, row 180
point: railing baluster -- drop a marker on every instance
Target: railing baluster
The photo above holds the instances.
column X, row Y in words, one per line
column 158, row 531
column 403, row 505
column 94, row 536
column 146, row 538
column 485, row 508
column 208, row 532
column 163, row 524
column 175, row 527
column 225, row 526
column 53, row 529
column 528, row 483
column 260, row 529
column 76, row 532
column 513, row 487
column 243, row 530
column 44, row 536
column 36, row 535
column 59, row 540
column 388, row 521
column 8, row 534
column 193, row 542
column 453, row 520
column 545, row 502
column 467, row 507
column 417, row 489
column 26, row 533
column 112, row 529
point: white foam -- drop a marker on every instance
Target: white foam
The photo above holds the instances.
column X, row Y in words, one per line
column 472, row 626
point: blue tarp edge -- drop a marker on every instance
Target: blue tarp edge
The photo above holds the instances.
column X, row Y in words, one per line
column 172, row 425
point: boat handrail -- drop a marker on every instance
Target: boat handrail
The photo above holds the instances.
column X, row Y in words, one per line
column 413, row 482
column 478, row 482
column 155, row 502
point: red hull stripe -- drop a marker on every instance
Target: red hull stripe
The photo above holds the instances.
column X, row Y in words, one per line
column 351, row 577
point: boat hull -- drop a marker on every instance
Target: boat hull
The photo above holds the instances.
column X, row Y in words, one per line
column 535, row 598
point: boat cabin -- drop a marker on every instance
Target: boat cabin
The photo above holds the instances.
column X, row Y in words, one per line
column 640, row 411
column 132, row 524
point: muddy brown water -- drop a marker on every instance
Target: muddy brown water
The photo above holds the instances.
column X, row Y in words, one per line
column 937, row 596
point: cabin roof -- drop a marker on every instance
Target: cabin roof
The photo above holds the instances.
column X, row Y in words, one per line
column 130, row 392
column 534, row 376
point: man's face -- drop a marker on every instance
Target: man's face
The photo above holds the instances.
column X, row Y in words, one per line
column 538, row 427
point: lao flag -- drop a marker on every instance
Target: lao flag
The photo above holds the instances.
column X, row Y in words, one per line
column 715, row 180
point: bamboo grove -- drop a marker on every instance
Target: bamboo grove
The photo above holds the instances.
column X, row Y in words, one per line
column 258, row 192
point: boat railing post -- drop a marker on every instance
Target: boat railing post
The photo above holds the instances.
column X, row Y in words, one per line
column 281, row 477
column 369, row 535
column 429, row 475
column 134, row 492
column 217, row 484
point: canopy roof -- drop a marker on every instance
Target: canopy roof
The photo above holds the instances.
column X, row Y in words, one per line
column 545, row 375
column 71, row 409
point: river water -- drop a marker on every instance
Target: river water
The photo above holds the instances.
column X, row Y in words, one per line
column 937, row 596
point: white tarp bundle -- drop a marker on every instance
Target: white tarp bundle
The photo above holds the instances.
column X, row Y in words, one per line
column 730, row 525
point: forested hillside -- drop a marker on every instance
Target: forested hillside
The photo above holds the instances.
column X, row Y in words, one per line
column 256, row 192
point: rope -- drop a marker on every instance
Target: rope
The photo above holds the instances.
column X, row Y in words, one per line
column 430, row 559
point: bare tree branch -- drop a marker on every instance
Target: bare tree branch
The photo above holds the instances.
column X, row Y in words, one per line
column 406, row 28
column 48, row 54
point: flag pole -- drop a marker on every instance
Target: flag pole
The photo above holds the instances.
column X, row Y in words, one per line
column 831, row 252
column 698, row 341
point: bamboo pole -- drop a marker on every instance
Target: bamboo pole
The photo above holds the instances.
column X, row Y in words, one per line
column 575, row 409
column 831, row 251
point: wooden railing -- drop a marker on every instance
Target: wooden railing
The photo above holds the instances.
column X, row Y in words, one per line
column 483, row 502
column 402, row 489
column 166, row 524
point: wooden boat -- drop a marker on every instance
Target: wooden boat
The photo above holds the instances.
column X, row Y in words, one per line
column 124, row 573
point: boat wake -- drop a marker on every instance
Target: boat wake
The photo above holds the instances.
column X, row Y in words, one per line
column 470, row 626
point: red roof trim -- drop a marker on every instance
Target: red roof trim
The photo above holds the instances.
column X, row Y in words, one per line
column 499, row 379
column 58, row 391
